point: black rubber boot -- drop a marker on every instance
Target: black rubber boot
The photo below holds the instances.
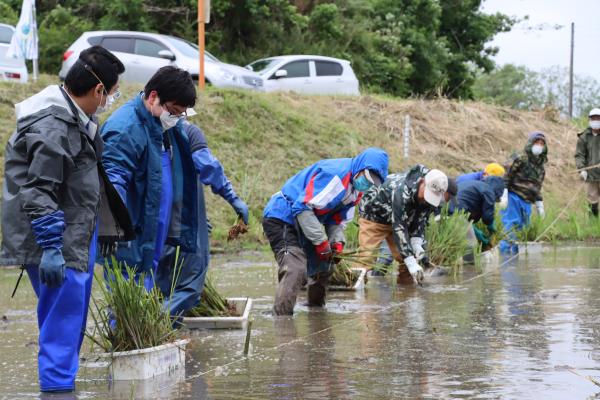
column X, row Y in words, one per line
column 594, row 209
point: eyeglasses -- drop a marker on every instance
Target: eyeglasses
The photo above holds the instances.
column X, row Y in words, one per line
column 177, row 115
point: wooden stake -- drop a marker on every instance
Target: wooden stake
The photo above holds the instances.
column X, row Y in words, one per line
column 201, row 19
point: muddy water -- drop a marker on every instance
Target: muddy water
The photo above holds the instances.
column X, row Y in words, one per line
column 517, row 332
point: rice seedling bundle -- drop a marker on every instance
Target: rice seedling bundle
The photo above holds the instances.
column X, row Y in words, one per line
column 495, row 237
column 447, row 239
column 532, row 231
column 212, row 304
column 343, row 275
column 127, row 316
column 237, row 230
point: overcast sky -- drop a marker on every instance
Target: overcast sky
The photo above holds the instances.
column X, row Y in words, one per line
column 538, row 49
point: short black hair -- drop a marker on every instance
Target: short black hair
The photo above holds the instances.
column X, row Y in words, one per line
column 452, row 187
column 94, row 60
column 172, row 84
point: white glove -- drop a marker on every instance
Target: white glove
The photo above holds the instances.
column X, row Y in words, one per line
column 539, row 205
column 415, row 269
column 584, row 175
column 417, row 247
column 503, row 203
column 437, row 218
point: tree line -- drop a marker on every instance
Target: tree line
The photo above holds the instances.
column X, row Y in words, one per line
column 399, row 47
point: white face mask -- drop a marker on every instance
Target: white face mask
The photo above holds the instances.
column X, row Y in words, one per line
column 537, row 149
column 595, row 124
column 110, row 99
column 168, row 121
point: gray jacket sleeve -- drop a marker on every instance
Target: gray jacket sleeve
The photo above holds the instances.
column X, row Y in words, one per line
column 311, row 227
column 336, row 233
column 45, row 173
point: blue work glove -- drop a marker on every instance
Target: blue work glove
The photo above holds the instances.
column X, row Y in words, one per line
column 52, row 267
column 241, row 209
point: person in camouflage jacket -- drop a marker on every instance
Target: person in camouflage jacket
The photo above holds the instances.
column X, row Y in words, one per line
column 524, row 178
column 587, row 155
column 398, row 212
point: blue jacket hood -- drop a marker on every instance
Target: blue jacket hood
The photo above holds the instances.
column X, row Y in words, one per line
column 497, row 185
column 373, row 158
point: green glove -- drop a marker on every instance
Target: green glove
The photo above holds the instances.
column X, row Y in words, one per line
column 492, row 227
column 481, row 237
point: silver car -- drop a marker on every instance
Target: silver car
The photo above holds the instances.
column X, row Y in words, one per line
column 307, row 74
column 144, row 53
column 11, row 69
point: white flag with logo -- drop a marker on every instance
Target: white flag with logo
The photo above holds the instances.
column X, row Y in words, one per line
column 24, row 42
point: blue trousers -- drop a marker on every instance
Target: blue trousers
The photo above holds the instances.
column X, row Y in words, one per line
column 183, row 294
column 190, row 281
column 62, row 316
column 514, row 218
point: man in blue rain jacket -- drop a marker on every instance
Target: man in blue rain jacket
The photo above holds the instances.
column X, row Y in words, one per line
column 305, row 221
column 194, row 265
column 478, row 199
column 148, row 159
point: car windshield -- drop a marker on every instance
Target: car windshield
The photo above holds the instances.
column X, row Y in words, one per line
column 5, row 34
column 189, row 49
column 262, row 65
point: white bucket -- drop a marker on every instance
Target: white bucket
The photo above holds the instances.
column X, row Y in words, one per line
column 146, row 363
column 241, row 307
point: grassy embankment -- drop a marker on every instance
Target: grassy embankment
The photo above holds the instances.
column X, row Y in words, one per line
column 262, row 139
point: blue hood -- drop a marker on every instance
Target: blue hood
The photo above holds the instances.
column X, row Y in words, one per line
column 497, row 185
column 372, row 158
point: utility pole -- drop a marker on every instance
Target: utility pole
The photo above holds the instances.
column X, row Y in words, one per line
column 571, row 70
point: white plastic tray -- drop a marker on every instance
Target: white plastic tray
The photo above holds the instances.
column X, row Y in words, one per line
column 146, row 363
column 242, row 307
column 530, row 247
column 491, row 256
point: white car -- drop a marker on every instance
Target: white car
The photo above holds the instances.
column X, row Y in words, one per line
column 143, row 54
column 11, row 69
column 307, row 74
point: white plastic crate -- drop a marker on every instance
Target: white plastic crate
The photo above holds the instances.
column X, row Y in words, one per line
column 530, row 247
column 491, row 256
column 146, row 363
column 241, row 310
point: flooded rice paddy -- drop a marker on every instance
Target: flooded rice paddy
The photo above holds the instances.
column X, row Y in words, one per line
column 527, row 329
